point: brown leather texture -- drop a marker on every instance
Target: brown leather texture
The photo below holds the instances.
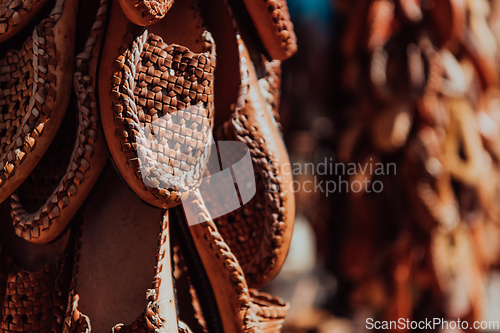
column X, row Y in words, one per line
column 270, row 88
column 34, row 301
column 274, row 26
column 183, row 82
column 259, row 233
column 145, row 12
column 34, row 95
column 15, row 15
column 61, row 191
column 241, row 309
column 156, row 72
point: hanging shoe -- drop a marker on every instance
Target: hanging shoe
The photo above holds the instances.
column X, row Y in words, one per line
column 51, row 195
column 35, row 87
column 151, row 87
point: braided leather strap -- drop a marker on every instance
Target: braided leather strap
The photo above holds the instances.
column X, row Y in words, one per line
column 257, row 312
column 255, row 231
column 87, row 157
column 148, row 322
column 270, row 87
column 274, row 26
column 270, row 311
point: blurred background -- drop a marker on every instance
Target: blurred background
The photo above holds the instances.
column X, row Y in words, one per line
column 391, row 115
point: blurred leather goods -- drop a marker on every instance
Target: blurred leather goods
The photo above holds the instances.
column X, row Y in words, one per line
column 431, row 70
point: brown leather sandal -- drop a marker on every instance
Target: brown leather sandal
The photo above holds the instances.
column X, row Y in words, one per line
column 101, row 297
column 259, row 232
column 46, row 202
column 241, row 309
column 35, row 87
column 145, row 12
column 145, row 84
column 15, row 15
column 34, row 301
column 34, row 282
column 254, row 311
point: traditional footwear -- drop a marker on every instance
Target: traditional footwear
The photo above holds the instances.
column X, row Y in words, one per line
column 35, row 86
column 272, row 21
column 34, row 281
column 15, row 15
column 145, row 12
column 147, row 84
column 35, row 301
column 258, row 233
column 121, row 238
column 54, row 191
column 241, row 309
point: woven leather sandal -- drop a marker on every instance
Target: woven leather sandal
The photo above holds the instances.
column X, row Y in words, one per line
column 145, row 12
column 145, row 80
column 160, row 313
column 33, row 296
column 127, row 242
column 258, row 233
column 241, row 309
column 54, row 191
column 15, row 15
column 35, row 301
column 35, row 86
column 272, row 21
